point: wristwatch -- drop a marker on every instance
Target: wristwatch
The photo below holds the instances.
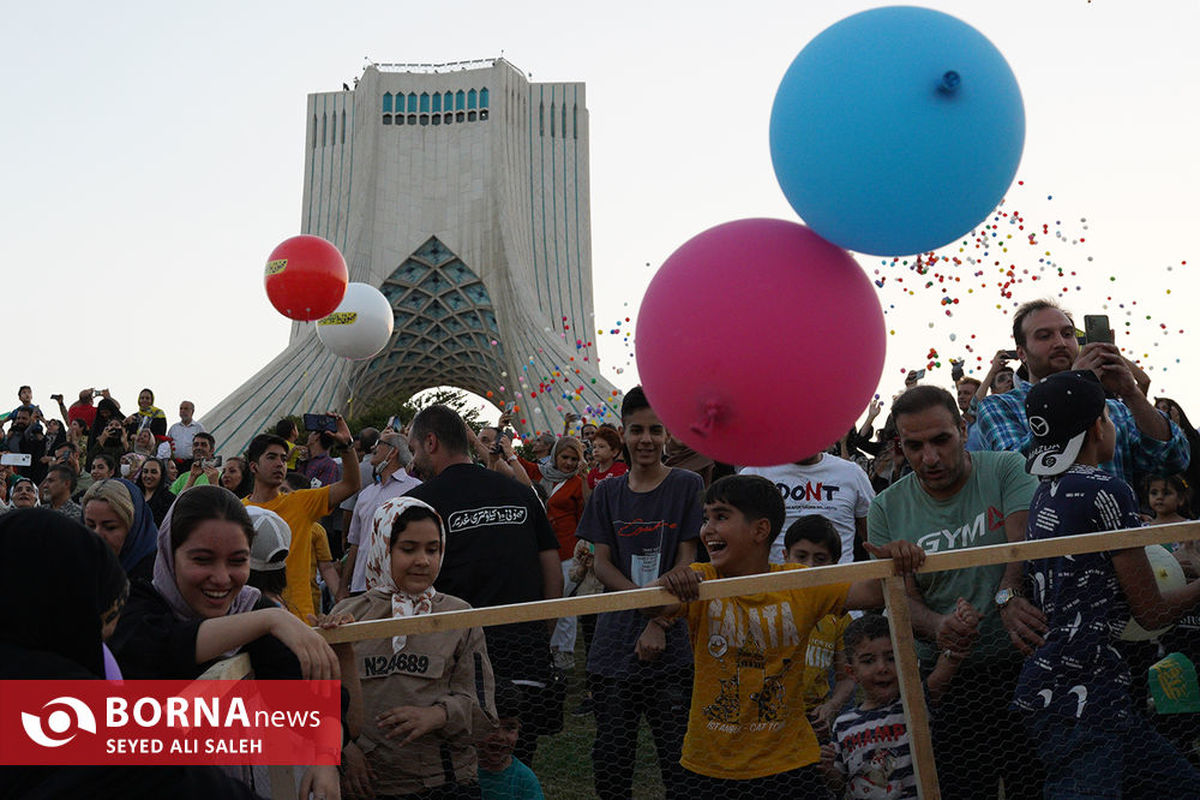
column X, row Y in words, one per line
column 1004, row 597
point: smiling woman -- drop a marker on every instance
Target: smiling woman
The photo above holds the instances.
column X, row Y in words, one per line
column 199, row 607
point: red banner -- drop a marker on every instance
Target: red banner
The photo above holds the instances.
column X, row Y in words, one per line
column 170, row 722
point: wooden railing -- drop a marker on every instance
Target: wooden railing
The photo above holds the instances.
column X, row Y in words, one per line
column 894, row 594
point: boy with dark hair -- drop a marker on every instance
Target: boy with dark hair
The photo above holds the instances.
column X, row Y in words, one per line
column 1074, row 690
column 869, row 755
column 643, row 524
column 747, row 732
column 501, row 775
column 813, row 541
column 267, row 460
column 809, row 530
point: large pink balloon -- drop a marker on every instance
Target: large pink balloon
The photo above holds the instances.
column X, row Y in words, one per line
column 758, row 342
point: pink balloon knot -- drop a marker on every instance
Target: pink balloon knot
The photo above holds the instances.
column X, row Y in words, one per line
column 712, row 410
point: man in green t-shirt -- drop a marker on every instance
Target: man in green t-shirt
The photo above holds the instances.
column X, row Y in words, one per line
column 202, row 473
column 954, row 499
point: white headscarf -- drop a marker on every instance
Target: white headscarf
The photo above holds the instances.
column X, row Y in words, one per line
column 379, row 563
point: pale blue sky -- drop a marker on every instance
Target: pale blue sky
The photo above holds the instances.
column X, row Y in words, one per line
column 154, row 156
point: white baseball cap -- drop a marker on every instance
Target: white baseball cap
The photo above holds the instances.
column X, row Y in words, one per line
column 272, row 539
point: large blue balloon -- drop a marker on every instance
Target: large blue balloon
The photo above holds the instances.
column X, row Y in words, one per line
column 897, row 130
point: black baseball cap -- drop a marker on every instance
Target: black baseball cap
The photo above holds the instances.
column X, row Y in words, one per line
column 1059, row 410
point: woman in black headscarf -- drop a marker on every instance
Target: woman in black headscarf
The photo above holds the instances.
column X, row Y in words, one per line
column 58, row 635
column 107, row 411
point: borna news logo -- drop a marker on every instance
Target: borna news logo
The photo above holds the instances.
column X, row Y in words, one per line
column 170, row 722
column 58, row 721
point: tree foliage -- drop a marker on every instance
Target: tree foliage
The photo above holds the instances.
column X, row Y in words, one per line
column 378, row 413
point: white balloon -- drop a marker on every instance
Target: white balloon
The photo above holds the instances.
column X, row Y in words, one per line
column 361, row 324
column 1169, row 575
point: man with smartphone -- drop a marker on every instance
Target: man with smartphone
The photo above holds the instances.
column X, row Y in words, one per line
column 319, row 465
column 1046, row 342
column 83, row 408
column 25, row 436
column 203, row 471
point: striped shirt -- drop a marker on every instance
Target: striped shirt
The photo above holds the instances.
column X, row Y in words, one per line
column 871, row 751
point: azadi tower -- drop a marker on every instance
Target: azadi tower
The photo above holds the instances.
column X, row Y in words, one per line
column 461, row 192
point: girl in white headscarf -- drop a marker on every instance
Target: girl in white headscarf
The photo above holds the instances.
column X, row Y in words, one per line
column 426, row 697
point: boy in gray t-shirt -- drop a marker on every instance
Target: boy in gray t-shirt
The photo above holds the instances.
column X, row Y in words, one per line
column 642, row 524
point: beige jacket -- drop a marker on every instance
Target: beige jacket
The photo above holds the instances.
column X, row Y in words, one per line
column 448, row 669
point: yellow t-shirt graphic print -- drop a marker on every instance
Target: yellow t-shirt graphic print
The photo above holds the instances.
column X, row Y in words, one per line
column 747, row 717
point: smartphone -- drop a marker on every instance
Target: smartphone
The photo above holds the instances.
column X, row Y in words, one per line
column 1095, row 329
column 394, row 423
column 16, row 460
column 215, row 461
column 320, row 422
column 916, row 374
column 1010, row 354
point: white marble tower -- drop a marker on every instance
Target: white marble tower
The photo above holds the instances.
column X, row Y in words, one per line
column 461, row 191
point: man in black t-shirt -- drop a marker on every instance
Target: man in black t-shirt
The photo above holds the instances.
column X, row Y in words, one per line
column 500, row 549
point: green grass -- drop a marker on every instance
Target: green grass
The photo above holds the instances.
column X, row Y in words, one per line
column 564, row 761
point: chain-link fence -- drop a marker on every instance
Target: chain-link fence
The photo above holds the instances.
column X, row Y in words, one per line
column 928, row 718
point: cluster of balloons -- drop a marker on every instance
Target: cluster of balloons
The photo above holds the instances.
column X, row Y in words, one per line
column 894, row 131
column 307, row 280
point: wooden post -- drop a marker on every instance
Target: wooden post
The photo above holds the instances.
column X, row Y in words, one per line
column 916, row 715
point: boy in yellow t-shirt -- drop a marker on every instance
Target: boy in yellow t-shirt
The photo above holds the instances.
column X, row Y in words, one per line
column 747, row 729
column 813, row 542
column 267, row 459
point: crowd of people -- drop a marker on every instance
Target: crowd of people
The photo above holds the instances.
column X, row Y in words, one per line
column 784, row 693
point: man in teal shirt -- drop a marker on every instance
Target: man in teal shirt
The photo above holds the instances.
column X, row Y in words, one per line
column 954, row 499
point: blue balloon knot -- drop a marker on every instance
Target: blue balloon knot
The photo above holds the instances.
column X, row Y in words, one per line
column 950, row 82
